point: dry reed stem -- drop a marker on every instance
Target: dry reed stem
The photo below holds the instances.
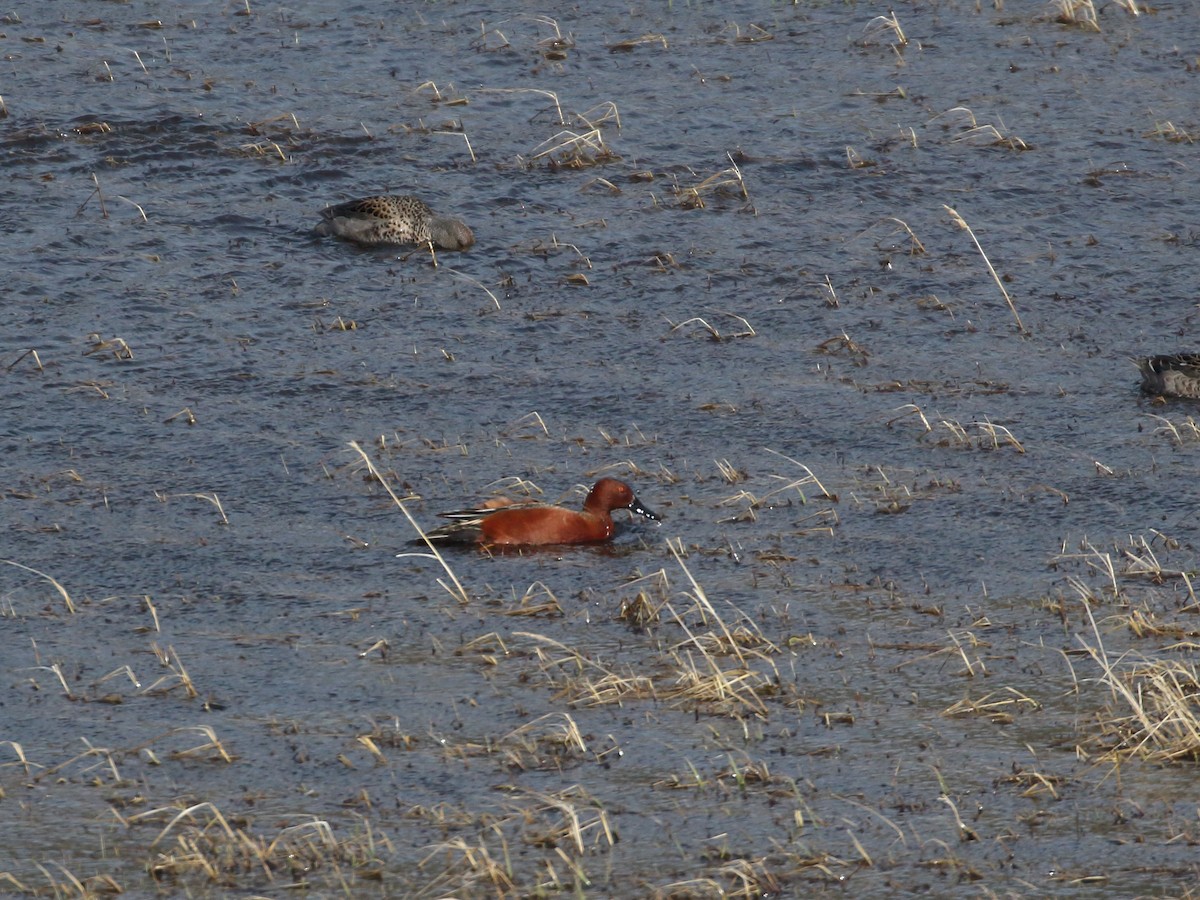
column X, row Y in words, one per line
column 998, row 706
column 713, row 333
column 467, row 140
column 881, row 26
column 9, row 878
column 809, row 478
column 101, row 346
column 958, row 220
column 1142, row 562
column 20, row 752
column 479, row 284
column 186, row 414
column 915, row 247
column 698, row 594
column 458, row 592
column 1036, row 784
column 630, row 43
column 1180, row 432
column 62, row 592
column 610, row 687
column 210, row 498
column 481, row 868
column 37, row 360
column 572, row 149
column 714, row 683
column 214, row 744
column 909, row 409
column 299, row 850
column 564, row 734
column 559, row 118
column 693, row 197
column 1168, row 132
column 76, row 884
column 573, row 824
column 1076, row 12
column 178, row 677
column 104, row 760
column 1095, row 560
column 597, row 115
column 538, row 600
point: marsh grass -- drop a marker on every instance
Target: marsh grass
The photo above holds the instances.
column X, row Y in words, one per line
column 581, row 679
column 559, row 118
column 65, row 884
column 889, row 226
column 1167, row 131
column 114, row 347
column 971, row 436
column 1079, row 13
column 1135, row 560
column 728, row 183
column 788, row 490
column 538, row 600
column 893, row 491
column 999, row 707
column 178, row 677
column 37, row 360
column 553, row 47
column 633, row 43
column 746, row 331
column 475, row 281
column 751, row 34
column 1153, row 712
column 569, row 824
column 207, row 846
column 1141, row 561
column 856, row 160
column 571, row 150
column 549, row 743
column 843, row 344
column 466, row 868
column 453, row 587
column 973, row 133
column 62, row 591
column 691, row 674
column 208, row 498
column 961, row 223
column 1181, row 432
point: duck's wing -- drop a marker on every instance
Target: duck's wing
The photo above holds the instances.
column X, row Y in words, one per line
column 488, row 507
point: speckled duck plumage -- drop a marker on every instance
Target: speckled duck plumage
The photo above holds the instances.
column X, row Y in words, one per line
column 1177, row 375
column 390, row 219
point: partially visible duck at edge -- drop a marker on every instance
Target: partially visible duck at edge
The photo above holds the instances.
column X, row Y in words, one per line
column 530, row 524
column 1177, row 375
column 390, row 219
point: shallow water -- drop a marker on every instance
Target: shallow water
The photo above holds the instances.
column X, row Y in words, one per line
column 250, row 551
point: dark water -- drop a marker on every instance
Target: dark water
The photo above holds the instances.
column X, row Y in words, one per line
column 935, row 575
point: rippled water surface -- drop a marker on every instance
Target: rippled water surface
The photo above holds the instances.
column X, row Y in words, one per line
column 717, row 256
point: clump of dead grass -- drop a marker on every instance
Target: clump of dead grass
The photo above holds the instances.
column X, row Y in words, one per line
column 570, row 822
column 1181, row 432
column 1166, row 131
column 201, row 844
column 969, row 130
column 702, row 326
column 1153, row 712
column 68, row 604
column 725, row 183
column 789, row 490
